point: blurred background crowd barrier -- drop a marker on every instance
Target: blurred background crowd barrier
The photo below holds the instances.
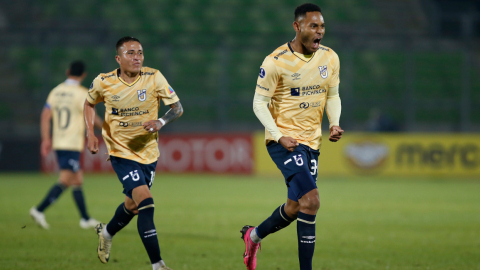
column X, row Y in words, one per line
column 406, row 66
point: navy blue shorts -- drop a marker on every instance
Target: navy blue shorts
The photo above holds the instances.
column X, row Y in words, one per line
column 133, row 174
column 68, row 160
column 302, row 160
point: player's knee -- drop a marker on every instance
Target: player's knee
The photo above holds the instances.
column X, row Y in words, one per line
column 131, row 206
column 292, row 209
column 65, row 182
column 310, row 202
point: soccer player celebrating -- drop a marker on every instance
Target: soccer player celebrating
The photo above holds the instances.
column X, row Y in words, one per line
column 295, row 84
column 131, row 95
column 65, row 105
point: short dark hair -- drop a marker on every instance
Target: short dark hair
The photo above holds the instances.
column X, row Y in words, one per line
column 303, row 9
column 124, row 40
column 77, row 68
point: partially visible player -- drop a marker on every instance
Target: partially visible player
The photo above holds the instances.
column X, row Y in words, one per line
column 131, row 95
column 65, row 105
column 295, row 84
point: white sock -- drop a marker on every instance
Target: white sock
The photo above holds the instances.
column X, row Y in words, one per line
column 156, row 266
column 254, row 236
column 106, row 234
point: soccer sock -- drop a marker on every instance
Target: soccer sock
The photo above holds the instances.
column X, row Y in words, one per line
column 52, row 196
column 277, row 221
column 121, row 219
column 147, row 231
column 80, row 201
column 306, row 240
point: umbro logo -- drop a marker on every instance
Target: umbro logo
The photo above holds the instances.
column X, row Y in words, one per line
column 115, row 98
column 296, row 76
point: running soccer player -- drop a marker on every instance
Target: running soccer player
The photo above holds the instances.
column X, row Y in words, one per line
column 295, row 84
column 65, row 105
column 131, row 95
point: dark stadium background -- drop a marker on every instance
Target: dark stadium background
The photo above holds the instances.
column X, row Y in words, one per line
column 413, row 63
column 407, row 66
column 399, row 191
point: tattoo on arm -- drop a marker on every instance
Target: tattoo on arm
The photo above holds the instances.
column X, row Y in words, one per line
column 176, row 110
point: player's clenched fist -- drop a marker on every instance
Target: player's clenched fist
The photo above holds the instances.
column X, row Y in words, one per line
column 152, row 126
column 335, row 133
column 289, row 143
column 92, row 144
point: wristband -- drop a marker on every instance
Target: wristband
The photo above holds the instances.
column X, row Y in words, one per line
column 161, row 121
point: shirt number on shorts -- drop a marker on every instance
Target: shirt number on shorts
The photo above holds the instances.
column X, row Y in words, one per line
column 313, row 169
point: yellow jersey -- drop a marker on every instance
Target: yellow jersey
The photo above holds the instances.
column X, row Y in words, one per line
column 66, row 102
column 298, row 85
column 127, row 107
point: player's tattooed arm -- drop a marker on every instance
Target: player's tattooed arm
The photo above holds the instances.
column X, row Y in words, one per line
column 176, row 110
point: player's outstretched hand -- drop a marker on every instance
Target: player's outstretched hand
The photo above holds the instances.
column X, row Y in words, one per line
column 289, row 143
column 335, row 133
column 92, row 144
column 46, row 147
column 152, row 126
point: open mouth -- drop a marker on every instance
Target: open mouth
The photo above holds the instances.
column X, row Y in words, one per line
column 316, row 42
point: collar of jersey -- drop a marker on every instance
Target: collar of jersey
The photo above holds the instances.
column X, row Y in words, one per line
column 301, row 58
column 124, row 82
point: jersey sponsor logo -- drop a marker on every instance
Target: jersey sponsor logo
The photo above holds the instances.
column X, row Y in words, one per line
column 108, row 76
column 262, row 73
column 295, row 91
column 147, row 73
column 280, row 54
column 170, row 89
column 142, row 94
column 134, row 111
column 306, row 105
column 264, row 88
column 296, row 76
column 130, row 124
column 115, row 98
column 313, row 92
column 323, row 71
column 307, row 90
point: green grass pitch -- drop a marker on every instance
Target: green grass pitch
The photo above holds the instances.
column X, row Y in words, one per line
column 363, row 223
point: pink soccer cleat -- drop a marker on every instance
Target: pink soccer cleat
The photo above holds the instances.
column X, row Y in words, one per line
column 250, row 255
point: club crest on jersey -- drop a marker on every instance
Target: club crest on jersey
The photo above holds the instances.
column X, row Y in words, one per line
column 262, row 73
column 142, row 94
column 323, row 71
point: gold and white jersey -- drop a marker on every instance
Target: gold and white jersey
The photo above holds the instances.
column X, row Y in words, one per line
column 298, row 85
column 127, row 107
column 66, row 103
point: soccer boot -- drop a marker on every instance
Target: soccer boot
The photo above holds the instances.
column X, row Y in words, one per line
column 87, row 224
column 39, row 218
column 104, row 244
column 251, row 248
